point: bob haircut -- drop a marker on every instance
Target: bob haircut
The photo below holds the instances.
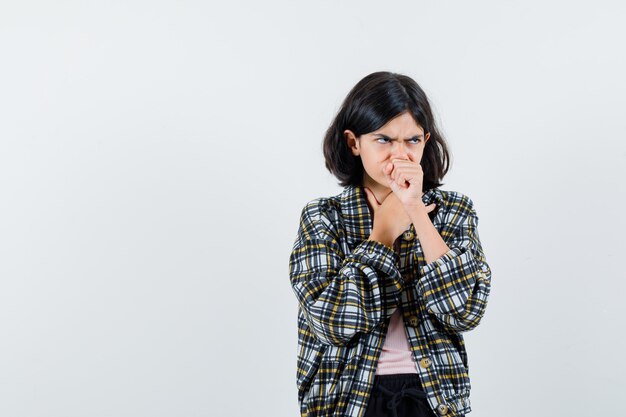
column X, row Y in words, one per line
column 372, row 102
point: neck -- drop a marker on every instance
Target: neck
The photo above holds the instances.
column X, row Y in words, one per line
column 380, row 191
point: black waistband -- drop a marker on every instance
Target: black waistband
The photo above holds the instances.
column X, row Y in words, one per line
column 396, row 388
column 395, row 382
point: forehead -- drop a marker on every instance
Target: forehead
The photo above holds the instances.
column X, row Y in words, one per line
column 403, row 124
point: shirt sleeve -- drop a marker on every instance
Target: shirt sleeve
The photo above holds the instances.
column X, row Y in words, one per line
column 455, row 287
column 340, row 294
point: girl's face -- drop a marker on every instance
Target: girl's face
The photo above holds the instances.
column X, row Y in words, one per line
column 400, row 138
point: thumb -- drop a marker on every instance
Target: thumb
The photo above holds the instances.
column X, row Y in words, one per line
column 390, row 182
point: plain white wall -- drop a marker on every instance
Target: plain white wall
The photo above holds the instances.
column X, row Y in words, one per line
column 155, row 156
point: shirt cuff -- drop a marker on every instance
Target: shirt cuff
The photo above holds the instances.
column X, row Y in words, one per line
column 442, row 260
column 379, row 256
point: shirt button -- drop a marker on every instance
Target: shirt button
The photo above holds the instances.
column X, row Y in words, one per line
column 408, row 235
column 413, row 321
column 425, row 362
column 442, row 409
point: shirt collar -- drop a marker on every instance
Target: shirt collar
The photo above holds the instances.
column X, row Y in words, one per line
column 356, row 213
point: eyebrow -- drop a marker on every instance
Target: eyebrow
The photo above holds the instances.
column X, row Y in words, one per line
column 387, row 137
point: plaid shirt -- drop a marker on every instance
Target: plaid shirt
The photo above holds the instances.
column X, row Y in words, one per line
column 347, row 288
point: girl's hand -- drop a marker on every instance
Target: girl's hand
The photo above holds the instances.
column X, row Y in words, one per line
column 405, row 178
column 390, row 219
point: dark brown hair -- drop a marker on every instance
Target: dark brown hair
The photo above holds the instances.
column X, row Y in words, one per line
column 372, row 102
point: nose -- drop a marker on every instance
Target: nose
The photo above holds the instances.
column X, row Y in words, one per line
column 400, row 151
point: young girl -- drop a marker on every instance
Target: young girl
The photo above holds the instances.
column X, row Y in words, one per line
column 389, row 272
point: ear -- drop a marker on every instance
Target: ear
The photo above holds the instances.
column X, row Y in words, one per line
column 352, row 141
column 426, row 137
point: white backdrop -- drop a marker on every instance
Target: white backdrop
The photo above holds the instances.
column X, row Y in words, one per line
column 155, row 156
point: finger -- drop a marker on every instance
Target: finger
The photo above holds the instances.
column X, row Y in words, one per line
column 407, row 166
column 405, row 177
column 391, row 182
column 394, row 172
column 400, row 176
column 387, row 171
column 408, row 174
column 391, row 171
column 403, row 162
column 403, row 172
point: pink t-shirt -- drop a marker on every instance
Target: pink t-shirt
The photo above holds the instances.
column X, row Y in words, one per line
column 396, row 356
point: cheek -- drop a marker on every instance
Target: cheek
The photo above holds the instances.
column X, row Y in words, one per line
column 373, row 164
column 374, row 161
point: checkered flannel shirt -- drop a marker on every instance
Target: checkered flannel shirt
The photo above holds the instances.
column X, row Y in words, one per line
column 347, row 287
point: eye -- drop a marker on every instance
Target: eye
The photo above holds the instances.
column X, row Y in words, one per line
column 413, row 141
